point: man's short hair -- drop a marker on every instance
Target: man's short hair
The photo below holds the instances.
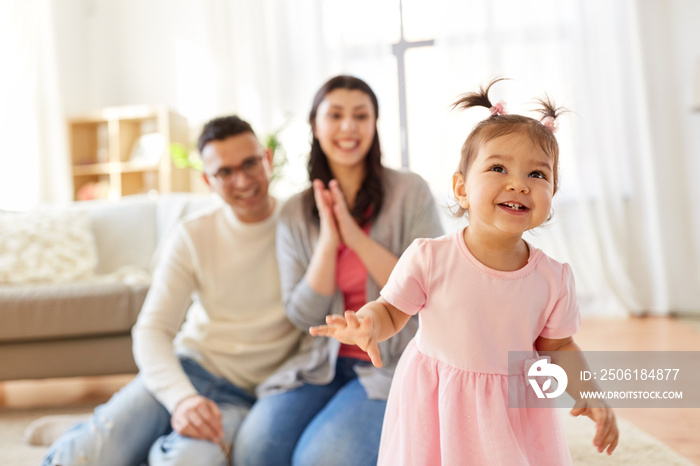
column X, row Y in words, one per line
column 221, row 128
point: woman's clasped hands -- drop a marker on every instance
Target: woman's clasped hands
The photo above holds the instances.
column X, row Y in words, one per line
column 337, row 226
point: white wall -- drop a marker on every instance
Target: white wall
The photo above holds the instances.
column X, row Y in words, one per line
column 89, row 39
column 686, row 40
column 70, row 29
column 123, row 52
column 98, row 64
column 671, row 53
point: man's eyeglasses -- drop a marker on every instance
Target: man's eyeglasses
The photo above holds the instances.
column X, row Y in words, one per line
column 251, row 167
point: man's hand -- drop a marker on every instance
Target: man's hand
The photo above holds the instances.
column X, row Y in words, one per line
column 198, row 417
column 351, row 330
column 606, row 435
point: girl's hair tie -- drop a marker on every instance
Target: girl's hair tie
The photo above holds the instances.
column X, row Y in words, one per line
column 498, row 109
column 550, row 123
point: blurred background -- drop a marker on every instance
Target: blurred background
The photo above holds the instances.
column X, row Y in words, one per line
column 629, row 71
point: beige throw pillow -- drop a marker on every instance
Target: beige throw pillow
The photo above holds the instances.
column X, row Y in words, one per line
column 46, row 245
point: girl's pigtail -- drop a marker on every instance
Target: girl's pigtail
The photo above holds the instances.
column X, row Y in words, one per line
column 550, row 113
column 481, row 99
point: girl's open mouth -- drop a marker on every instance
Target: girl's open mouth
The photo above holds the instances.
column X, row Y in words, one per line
column 514, row 206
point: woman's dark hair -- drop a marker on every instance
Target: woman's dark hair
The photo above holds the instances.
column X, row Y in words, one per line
column 368, row 201
column 221, row 128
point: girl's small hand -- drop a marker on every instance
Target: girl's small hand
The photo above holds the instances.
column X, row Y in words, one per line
column 351, row 330
column 328, row 235
column 606, row 426
column 350, row 232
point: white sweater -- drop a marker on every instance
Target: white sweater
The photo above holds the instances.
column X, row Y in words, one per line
column 236, row 326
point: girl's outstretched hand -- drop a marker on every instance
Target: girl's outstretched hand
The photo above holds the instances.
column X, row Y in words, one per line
column 606, row 435
column 351, row 330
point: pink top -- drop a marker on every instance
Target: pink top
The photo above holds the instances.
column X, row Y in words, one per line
column 351, row 278
column 456, row 369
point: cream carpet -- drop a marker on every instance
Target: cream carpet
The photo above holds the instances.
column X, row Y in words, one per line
column 636, row 447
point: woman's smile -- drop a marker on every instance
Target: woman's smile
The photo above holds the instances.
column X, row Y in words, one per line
column 345, row 128
column 347, row 144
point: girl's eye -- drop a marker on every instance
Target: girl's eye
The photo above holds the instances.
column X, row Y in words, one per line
column 538, row 174
column 361, row 116
column 498, row 169
column 334, row 116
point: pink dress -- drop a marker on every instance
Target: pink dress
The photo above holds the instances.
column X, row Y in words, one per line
column 448, row 403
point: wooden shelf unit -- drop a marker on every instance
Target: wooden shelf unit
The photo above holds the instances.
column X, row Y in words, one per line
column 101, row 146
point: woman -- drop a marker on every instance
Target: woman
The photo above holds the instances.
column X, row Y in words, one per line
column 337, row 243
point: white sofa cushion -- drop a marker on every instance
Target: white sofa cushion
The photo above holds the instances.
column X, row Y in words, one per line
column 125, row 231
column 128, row 231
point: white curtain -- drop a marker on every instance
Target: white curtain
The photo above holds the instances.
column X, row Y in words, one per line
column 586, row 55
column 33, row 159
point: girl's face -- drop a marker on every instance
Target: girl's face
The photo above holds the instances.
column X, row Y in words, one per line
column 509, row 186
column 345, row 126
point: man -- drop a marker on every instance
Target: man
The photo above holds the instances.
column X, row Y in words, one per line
column 196, row 383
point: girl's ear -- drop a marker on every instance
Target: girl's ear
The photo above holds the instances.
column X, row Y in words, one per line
column 459, row 190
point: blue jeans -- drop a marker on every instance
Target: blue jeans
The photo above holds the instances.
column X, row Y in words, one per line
column 334, row 424
column 133, row 428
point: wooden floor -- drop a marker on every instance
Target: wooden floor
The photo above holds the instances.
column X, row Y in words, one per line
column 678, row 428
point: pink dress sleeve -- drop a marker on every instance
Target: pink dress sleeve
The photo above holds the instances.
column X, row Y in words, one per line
column 407, row 287
column 565, row 319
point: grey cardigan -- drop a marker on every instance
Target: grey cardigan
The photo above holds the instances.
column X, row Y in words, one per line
column 409, row 212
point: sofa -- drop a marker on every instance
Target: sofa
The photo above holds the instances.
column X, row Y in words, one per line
column 73, row 280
